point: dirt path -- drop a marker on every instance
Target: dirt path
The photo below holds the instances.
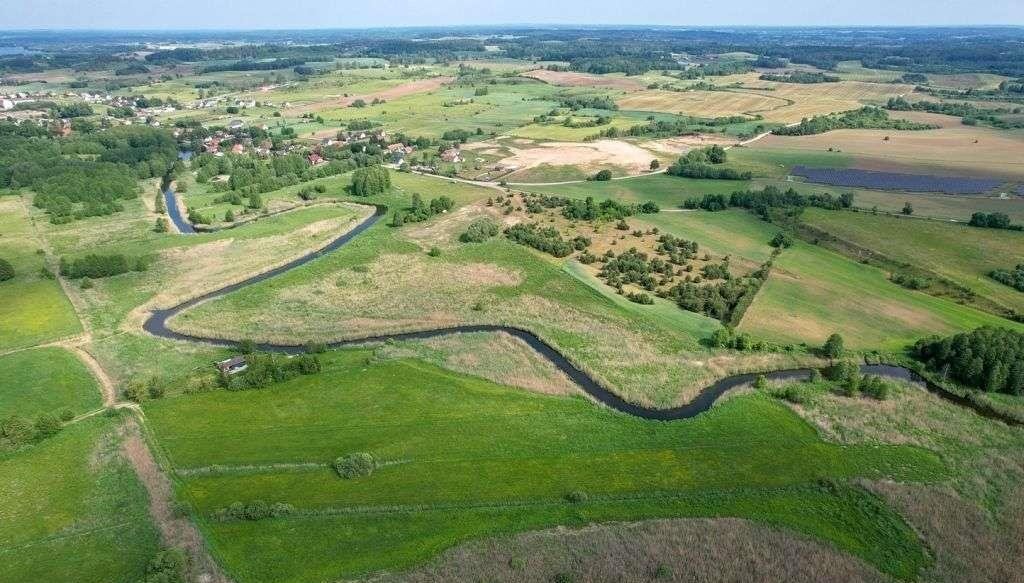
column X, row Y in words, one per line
column 106, row 385
column 175, row 531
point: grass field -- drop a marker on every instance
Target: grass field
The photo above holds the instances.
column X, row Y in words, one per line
column 45, row 380
column 959, row 252
column 813, row 293
column 667, row 191
column 467, row 458
column 73, row 510
column 33, row 308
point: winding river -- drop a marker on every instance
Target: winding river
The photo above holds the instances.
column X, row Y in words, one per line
column 156, row 325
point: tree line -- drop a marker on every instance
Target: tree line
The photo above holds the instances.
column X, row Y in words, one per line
column 868, row 117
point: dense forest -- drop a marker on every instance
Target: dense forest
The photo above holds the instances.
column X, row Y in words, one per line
column 86, row 174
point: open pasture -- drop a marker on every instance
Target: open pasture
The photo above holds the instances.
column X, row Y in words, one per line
column 464, row 458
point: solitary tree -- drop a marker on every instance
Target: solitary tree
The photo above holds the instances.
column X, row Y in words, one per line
column 655, row 164
column 833, row 347
column 908, row 209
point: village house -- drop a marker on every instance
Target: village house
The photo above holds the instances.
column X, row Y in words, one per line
column 238, row 149
column 315, row 159
column 452, row 156
column 233, row 365
column 236, row 124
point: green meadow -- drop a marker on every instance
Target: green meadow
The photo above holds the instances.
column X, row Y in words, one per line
column 33, row 307
column 45, row 380
column 461, row 457
column 73, row 510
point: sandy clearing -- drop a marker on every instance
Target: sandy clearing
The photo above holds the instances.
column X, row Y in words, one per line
column 571, row 79
column 587, row 156
column 683, row 144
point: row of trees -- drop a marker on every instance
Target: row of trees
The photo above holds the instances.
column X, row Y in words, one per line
column 769, row 197
column 96, row 266
column 864, row 118
column 993, row 221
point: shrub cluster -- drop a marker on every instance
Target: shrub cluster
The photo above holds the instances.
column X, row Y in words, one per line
column 264, row 369
column 480, row 230
column 706, row 163
column 420, row 211
column 355, row 465
column 16, row 431
column 546, row 239
column 1014, row 278
column 256, row 510
column 993, row 221
column 370, row 181
column 6, row 270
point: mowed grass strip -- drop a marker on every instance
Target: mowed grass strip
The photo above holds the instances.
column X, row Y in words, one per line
column 498, row 460
column 33, row 308
column 45, row 380
column 71, row 509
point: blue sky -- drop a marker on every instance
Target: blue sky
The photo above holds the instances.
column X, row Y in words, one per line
column 249, row 14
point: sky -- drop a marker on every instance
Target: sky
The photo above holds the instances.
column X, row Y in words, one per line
column 278, row 14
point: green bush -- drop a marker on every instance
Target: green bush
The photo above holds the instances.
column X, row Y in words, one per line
column 48, row 425
column 6, row 270
column 170, row 566
column 576, row 497
column 603, row 176
column 355, row 465
column 480, row 230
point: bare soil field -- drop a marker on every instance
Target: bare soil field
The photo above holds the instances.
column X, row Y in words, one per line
column 953, row 149
column 570, row 79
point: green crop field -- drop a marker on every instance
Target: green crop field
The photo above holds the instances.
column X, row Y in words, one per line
column 73, row 510
column 33, row 308
column 45, row 380
column 959, row 252
column 813, row 293
column 462, row 457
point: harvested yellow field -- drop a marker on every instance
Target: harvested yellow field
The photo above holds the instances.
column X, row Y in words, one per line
column 776, row 102
column 702, row 103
